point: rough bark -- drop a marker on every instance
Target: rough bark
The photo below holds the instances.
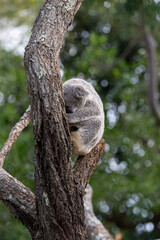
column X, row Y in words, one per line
column 21, row 201
column 58, row 199
column 18, row 199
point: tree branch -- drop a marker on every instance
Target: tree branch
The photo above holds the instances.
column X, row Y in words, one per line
column 15, row 132
column 95, row 229
column 153, row 94
column 85, row 165
column 19, row 200
column 151, row 46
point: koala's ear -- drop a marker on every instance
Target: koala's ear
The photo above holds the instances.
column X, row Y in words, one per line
column 80, row 92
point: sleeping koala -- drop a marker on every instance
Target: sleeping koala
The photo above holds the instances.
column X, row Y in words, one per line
column 85, row 115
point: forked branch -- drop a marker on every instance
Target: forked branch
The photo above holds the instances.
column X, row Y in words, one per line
column 21, row 201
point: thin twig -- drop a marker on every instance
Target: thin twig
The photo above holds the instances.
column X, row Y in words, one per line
column 15, row 132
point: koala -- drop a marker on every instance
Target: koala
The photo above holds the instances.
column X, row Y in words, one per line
column 84, row 110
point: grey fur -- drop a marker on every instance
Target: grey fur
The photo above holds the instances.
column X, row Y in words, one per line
column 85, row 115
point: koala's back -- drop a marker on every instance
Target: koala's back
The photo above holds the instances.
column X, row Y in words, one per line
column 93, row 94
column 88, row 119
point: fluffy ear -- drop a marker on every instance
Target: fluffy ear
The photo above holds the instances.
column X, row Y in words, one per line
column 80, row 92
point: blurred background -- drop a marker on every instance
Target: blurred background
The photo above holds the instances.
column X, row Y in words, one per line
column 114, row 46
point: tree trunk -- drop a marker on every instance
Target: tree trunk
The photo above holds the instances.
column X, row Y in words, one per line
column 58, row 199
column 56, row 209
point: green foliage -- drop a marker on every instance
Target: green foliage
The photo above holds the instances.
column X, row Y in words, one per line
column 20, row 11
column 126, row 182
column 13, row 102
column 11, row 228
column 126, row 189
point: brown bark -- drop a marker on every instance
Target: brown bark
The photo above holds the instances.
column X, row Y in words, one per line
column 18, row 199
column 59, row 202
column 21, row 201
